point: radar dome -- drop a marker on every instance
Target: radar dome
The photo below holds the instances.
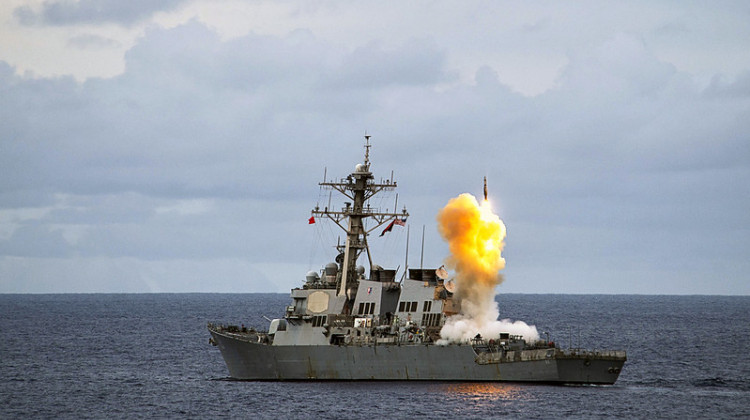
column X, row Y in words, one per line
column 312, row 276
column 360, row 269
column 360, row 168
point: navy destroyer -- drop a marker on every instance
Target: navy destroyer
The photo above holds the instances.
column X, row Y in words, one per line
column 345, row 323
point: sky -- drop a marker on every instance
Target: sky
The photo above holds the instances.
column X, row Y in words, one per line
column 177, row 145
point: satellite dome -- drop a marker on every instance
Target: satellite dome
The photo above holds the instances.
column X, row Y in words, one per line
column 360, row 168
column 312, row 276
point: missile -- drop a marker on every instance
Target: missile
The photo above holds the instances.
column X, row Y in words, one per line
column 485, row 188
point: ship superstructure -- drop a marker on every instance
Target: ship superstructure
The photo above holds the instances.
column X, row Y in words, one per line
column 345, row 325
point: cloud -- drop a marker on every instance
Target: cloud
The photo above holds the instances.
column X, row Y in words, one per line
column 208, row 150
column 737, row 88
column 186, row 97
column 93, row 41
column 618, row 66
column 132, row 275
column 69, row 12
column 418, row 62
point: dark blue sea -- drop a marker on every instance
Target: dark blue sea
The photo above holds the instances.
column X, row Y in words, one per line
column 129, row 356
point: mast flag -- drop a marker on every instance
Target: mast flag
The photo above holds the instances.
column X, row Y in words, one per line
column 397, row 222
column 388, row 229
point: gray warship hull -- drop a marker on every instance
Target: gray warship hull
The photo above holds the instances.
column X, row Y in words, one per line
column 414, row 362
column 343, row 324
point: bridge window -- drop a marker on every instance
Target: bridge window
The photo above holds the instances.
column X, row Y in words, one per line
column 431, row 320
column 407, row 306
column 366, row 308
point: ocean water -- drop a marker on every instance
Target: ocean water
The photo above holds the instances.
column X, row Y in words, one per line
column 147, row 356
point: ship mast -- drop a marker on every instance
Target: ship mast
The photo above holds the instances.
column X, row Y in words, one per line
column 358, row 187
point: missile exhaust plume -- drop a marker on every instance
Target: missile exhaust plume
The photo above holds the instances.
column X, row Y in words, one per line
column 475, row 237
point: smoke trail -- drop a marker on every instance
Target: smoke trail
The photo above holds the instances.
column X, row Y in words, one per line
column 475, row 237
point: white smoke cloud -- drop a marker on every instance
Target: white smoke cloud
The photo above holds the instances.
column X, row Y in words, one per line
column 466, row 326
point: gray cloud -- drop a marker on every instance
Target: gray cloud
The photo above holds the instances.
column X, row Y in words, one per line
column 69, row 12
column 739, row 88
column 210, row 150
column 92, row 41
column 418, row 62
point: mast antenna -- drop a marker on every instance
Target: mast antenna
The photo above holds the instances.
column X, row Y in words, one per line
column 358, row 188
column 421, row 259
column 406, row 258
column 367, row 151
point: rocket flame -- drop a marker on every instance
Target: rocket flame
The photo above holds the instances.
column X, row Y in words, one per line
column 475, row 237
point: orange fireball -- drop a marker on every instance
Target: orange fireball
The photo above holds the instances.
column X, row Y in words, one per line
column 475, row 237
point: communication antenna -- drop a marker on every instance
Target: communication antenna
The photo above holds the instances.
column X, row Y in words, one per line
column 421, row 258
column 406, row 259
column 367, row 151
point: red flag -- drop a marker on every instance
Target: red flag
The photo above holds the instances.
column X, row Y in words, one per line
column 388, row 229
column 400, row 222
column 311, row 220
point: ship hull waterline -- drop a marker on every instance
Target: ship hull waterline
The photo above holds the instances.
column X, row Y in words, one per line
column 407, row 362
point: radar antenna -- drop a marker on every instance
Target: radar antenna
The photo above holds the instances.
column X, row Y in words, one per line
column 358, row 187
column 367, row 151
